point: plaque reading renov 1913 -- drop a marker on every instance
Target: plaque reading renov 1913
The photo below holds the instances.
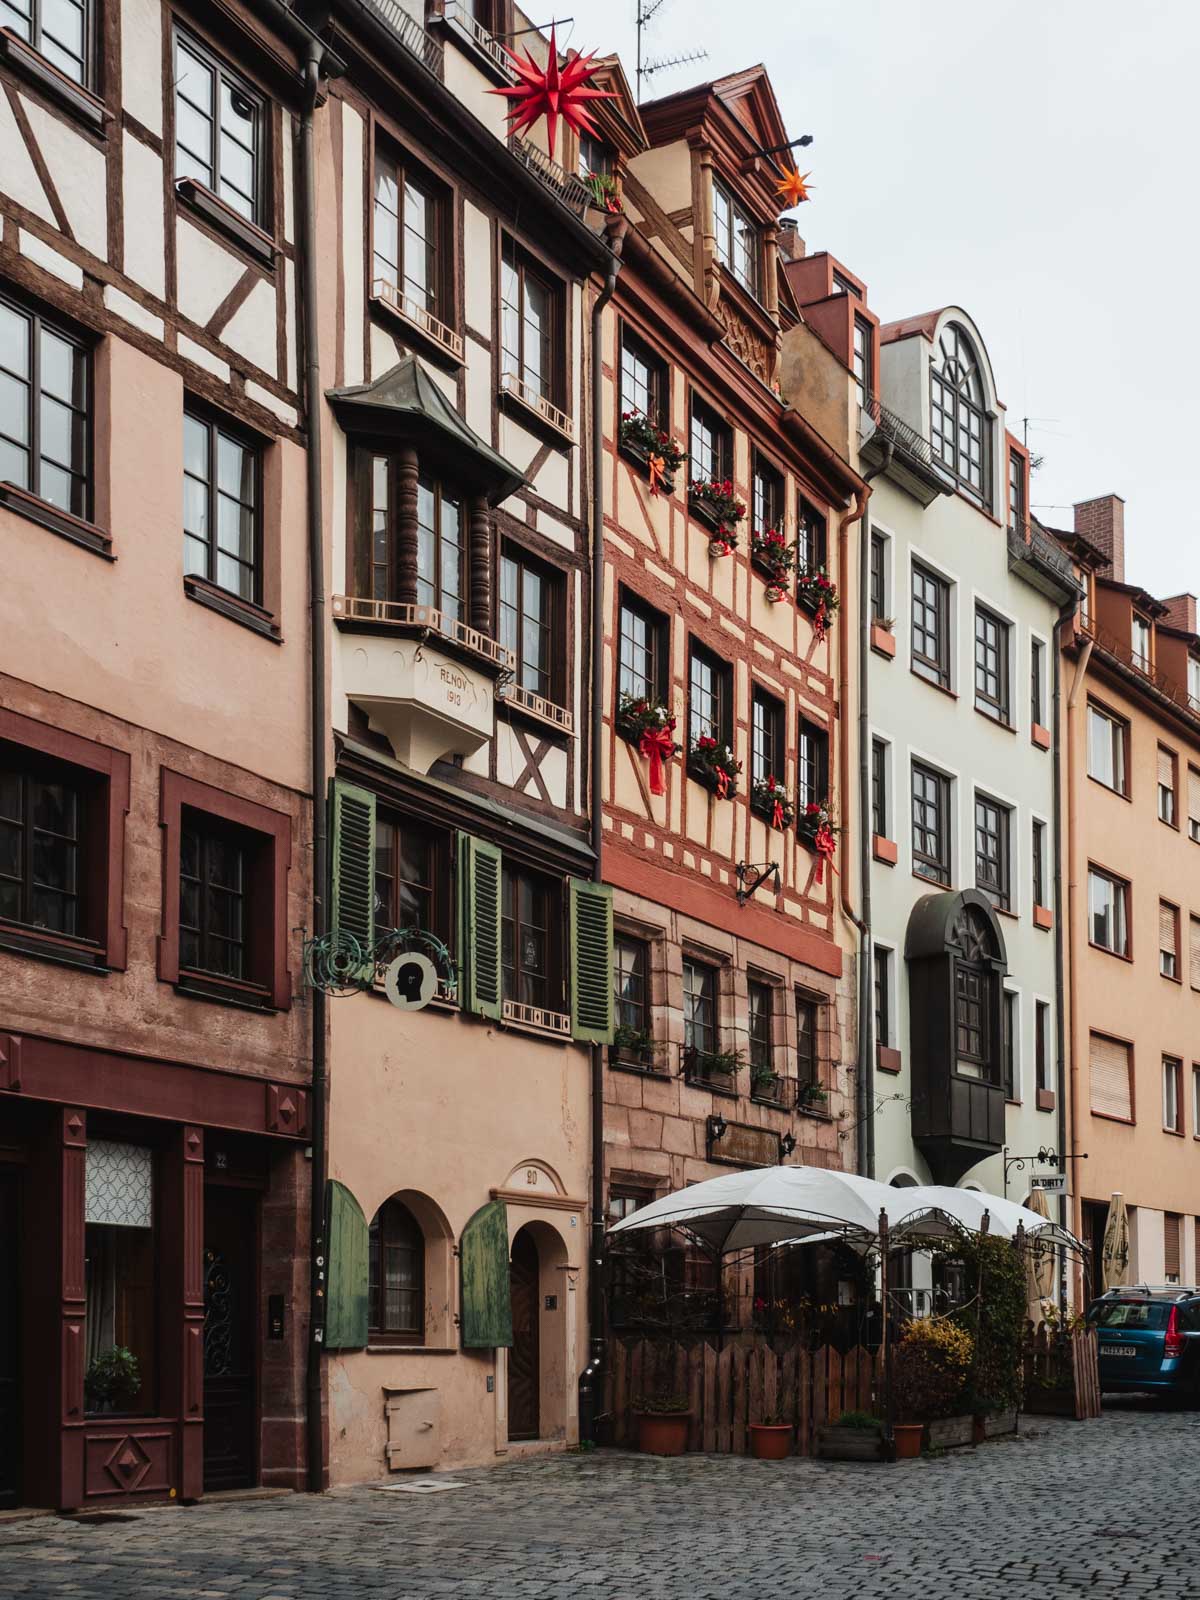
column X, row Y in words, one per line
column 742, row 1146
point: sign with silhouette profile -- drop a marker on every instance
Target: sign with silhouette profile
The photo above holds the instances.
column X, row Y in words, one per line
column 410, row 981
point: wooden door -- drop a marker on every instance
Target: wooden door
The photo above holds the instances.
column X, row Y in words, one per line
column 524, row 1371
column 230, row 1338
column 10, row 1344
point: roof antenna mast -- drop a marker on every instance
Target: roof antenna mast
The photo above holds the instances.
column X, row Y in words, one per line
column 646, row 9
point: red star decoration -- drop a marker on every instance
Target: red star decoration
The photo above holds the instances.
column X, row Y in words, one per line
column 552, row 92
column 792, row 188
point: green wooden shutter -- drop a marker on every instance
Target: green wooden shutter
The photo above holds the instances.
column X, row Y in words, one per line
column 346, row 1279
column 479, row 873
column 591, row 961
column 486, row 1287
column 352, row 858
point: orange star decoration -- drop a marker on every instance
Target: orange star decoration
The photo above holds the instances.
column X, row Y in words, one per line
column 793, row 188
column 552, row 91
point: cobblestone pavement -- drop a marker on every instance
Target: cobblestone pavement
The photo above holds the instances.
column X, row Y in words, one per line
column 1108, row 1507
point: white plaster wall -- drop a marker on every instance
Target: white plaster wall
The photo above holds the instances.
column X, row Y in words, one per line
column 478, row 408
column 17, row 175
column 353, row 244
column 477, row 268
column 79, row 174
column 141, row 62
column 141, row 176
column 251, row 331
column 205, row 272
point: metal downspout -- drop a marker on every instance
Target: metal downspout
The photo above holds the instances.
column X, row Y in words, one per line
column 591, row 1377
column 1081, row 667
column 314, row 1421
column 1060, row 1071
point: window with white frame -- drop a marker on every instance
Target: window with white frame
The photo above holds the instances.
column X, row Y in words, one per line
column 1108, row 911
column 1172, row 1098
column 738, row 242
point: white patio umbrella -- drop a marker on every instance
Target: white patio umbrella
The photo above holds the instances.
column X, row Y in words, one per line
column 927, row 1206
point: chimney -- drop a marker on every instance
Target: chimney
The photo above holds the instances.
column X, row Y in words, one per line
column 1102, row 523
column 1181, row 612
column 791, row 245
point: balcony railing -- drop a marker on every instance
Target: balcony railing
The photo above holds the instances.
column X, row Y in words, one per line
column 413, row 312
column 424, row 619
column 512, row 383
column 538, row 706
column 568, row 186
column 1124, row 652
column 459, row 14
column 410, row 34
column 539, row 1017
column 903, row 436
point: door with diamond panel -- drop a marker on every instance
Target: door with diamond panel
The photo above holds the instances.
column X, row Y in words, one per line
column 230, row 1338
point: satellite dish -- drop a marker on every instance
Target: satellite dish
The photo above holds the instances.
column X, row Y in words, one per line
column 410, row 981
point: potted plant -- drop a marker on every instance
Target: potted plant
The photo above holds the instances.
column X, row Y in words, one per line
column 713, row 502
column 774, row 558
column 643, row 440
column 712, row 764
column 634, row 1045
column 817, row 592
column 764, row 1084
column 705, row 1065
column 662, row 1421
column 811, row 1097
column 771, row 801
column 928, row 1372
column 855, row 1436
column 605, row 192
column 112, row 1380
column 771, row 1439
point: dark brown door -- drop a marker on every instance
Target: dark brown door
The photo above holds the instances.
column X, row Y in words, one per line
column 524, row 1377
column 230, row 1337
column 10, row 1345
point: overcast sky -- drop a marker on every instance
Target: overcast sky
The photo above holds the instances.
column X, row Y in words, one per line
column 1035, row 162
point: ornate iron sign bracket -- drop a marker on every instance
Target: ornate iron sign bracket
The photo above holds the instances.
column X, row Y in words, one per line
column 339, row 964
column 751, row 878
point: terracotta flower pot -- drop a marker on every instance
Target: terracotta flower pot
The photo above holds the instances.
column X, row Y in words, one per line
column 908, row 1436
column 770, row 1441
column 663, row 1433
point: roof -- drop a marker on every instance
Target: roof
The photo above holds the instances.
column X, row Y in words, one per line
column 925, row 325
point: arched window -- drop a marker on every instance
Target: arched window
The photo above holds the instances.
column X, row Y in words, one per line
column 396, row 1276
column 961, row 427
column 975, row 997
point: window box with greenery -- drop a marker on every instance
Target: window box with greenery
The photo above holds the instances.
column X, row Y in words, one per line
column 766, row 1084
column 651, row 448
column 605, row 191
column 716, row 1068
column 647, row 724
column 816, row 831
column 811, row 1097
column 771, row 801
column 818, row 594
column 773, row 558
column 711, row 763
column 713, row 502
column 635, row 1047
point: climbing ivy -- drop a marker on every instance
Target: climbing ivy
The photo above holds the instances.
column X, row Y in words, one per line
column 993, row 1314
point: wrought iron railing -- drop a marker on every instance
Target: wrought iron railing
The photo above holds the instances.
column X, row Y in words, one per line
column 899, row 432
column 568, row 186
column 410, row 33
column 1042, row 549
column 1123, row 651
column 460, row 15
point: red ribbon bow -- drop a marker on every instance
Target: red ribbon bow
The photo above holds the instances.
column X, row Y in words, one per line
column 821, row 623
column 777, row 814
column 658, row 469
column 657, row 745
column 722, row 783
column 826, row 846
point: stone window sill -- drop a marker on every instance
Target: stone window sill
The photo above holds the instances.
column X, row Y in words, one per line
column 232, row 606
column 35, row 509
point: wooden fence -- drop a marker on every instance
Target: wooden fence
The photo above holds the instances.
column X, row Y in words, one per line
column 748, row 1380
column 1062, row 1373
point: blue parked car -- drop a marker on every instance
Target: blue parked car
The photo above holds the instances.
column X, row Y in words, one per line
column 1149, row 1339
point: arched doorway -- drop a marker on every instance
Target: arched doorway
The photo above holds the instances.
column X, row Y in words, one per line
column 524, row 1356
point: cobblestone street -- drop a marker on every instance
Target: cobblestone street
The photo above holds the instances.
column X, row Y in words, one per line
column 1107, row 1506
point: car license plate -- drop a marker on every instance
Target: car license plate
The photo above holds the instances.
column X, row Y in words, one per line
column 1117, row 1350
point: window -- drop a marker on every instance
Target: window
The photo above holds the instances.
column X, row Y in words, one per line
column 973, row 1021
column 43, row 863
column 1193, row 682
column 59, row 29
column 699, row 1006
column 1168, row 939
column 961, row 427
column 45, row 401
column 120, row 1266
column 642, row 651
column 991, row 665
column 1172, row 1094
column 1172, row 1234
column 808, row 1065
column 879, row 789
column 812, row 765
column 710, row 696
column 213, row 898
column 930, row 824
column 737, row 238
column 595, row 157
column 220, row 125
column 1194, row 804
column 1111, row 1079
column 531, row 601
column 761, row 1031
column 992, row 867
column 441, row 554
column 412, row 875
column 1009, row 1043
column 1108, row 744
column 812, row 551
column 1141, row 643
column 711, row 445
column 529, row 937
column 1196, row 1124
column 766, row 737
column 878, row 576
column 221, row 498
column 1108, row 909
column 643, row 380
column 1041, row 1046
column 1037, row 658
column 529, row 311
column 883, row 996
column 843, row 285
column 862, row 358
column 1168, row 781
column 767, row 499
column 631, row 979
column 396, row 1275
column 407, row 235
column 930, row 626
column 1016, row 492
column 1038, row 850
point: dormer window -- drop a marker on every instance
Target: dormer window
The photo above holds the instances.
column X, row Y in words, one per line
column 595, row 157
column 1193, row 682
column 960, row 429
column 862, row 358
column 738, row 244
column 1016, row 492
column 1141, row 643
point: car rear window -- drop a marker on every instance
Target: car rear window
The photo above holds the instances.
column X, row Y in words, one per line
column 1131, row 1314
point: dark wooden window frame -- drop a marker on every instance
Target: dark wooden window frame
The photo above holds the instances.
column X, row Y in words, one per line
column 659, row 640
column 993, row 821
column 1037, row 845
column 993, row 636
column 1041, row 1047
column 1037, row 683
column 699, row 411
column 812, row 536
column 773, row 497
column 554, row 581
column 89, row 58
column 530, row 266
column 723, row 675
column 774, row 730
column 882, row 977
column 408, row 169
column 1010, row 1017
column 935, row 603
column 808, row 1062
column 78, row 525
column 106, row 772
column 379, row 1335
column 255, row 234
column 939, row 860
column 268, row 936
column 217, row 424
column 879, row 789
column 641, row 948
column 760, row 1032
column 816, row 735
column 736, row 210
column 513, row 871
column 658, row 410
column 878, row 576
column 442, row 886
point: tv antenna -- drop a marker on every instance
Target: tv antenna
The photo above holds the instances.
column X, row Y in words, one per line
column 647, row 68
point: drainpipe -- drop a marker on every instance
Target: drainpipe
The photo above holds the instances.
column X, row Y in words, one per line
column 592, row 1375
column 314, row 1422
column 864, row 1080
column 1077, row 682
column 1060, row 1066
